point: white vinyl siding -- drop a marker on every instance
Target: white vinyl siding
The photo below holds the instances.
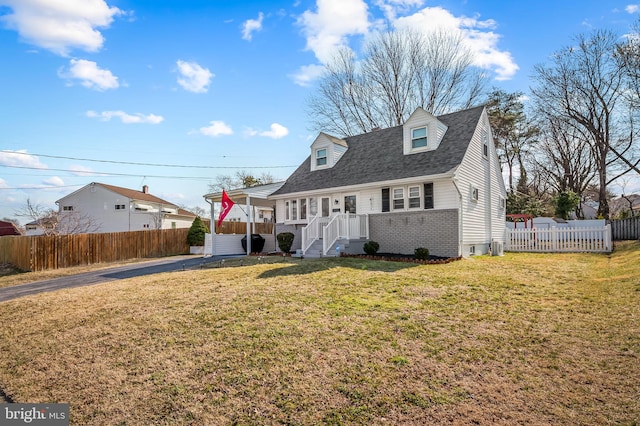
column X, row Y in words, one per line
column 482, row 220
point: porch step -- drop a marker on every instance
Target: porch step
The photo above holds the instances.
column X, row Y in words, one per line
column 315, row 251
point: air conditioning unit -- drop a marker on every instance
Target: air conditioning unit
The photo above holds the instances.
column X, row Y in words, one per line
column 497, row 248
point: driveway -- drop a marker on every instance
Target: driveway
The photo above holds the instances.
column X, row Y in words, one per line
column 174, row 263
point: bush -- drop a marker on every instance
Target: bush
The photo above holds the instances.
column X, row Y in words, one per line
column 195, row 237
column 422, row 253
column 285, row 241
column 371, row 248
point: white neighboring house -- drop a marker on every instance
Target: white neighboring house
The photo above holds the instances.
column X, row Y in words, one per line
column 260, row 214
column 433, row 182
column 108, row 208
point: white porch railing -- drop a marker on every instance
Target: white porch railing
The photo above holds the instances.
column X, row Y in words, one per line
column 313, row 231
column 560, row 240
column 345, row 225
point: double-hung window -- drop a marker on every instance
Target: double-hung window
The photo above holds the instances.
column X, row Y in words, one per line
column 398, row 198
column 414, row 197
column 321, row 157
column 419, row 137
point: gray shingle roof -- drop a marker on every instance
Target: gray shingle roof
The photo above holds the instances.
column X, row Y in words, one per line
column 377, row 156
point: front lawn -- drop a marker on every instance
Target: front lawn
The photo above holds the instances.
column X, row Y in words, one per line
column 520, row 339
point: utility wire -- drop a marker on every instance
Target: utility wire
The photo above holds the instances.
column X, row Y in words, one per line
column 141, row 164
column 112, row 174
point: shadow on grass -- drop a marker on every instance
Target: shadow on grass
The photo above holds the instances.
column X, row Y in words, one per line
column 309, row 266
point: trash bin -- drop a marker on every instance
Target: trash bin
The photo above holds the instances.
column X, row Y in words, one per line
column 257, row 243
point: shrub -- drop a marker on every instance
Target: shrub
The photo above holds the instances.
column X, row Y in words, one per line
column 195, row 237
column 285, row 241
column 371, row 248
column 422, row 253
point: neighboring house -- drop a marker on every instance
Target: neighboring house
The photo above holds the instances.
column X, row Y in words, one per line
column 253, row 199
column 433, row 182
column 98, row 208
column 8, row 228
column 260, row 214
column 40, row 227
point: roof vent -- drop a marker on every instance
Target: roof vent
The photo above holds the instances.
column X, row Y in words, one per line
column 145, row 189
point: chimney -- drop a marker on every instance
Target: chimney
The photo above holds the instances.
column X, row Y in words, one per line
column 145, row 189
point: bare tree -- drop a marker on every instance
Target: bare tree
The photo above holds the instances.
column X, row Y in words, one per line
column 513, row 133
column 52, row 222
column 628, row 57
column 398, row 72
column 241, row 179
column 585, row 87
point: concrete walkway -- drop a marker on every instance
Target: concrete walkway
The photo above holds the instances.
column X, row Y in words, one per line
column 173, row 263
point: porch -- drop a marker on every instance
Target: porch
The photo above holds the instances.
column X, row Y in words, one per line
column 326, row 236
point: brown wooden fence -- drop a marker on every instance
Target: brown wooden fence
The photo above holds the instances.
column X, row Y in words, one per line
column 241, row 228
column 626, row 229
column 37, row 253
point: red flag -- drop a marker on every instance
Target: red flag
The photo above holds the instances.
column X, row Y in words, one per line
column 227, row 203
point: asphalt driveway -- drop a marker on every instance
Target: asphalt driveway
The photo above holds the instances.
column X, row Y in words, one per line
column 174, row 263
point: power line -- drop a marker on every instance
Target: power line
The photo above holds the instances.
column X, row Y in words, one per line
column 142, row 164
column 42, row 187
column 107, row 174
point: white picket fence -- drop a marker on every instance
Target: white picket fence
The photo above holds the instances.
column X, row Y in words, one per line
column 555, row 240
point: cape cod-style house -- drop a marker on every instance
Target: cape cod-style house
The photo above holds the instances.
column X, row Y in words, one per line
column 433, row 182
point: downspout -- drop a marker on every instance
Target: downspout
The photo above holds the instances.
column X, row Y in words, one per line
column 460, row 209
column 212, row 225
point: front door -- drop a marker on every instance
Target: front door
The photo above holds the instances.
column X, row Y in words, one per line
column 350, row 204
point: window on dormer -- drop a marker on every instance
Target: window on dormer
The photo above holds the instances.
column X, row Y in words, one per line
column 321, row 157
column 419, row 137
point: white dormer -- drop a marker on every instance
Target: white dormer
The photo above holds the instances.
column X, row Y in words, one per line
column 326, row 150
column 422, row 132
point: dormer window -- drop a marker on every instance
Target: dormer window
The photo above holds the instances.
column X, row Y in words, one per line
column 321, row 157
column 419, row 137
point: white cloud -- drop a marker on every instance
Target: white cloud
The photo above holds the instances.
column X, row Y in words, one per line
column 327, row 29
column 53, row 181
column 20, row 159
column 250, row 26
column 90, row 75
column 477, row 35
column 306, row 74
column 632, row 8
column 391, row 8
column 277, row 131
column 216, row 128
column 61, row 25
column 193, row 78
column 3, row 183
column 81, row 170
column 126, row 118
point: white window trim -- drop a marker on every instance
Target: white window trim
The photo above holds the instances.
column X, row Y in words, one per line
column 485, row 143
column 393, row 198
column 409, row 197
column 326, row 157
column 474, row 194
column 411, row 139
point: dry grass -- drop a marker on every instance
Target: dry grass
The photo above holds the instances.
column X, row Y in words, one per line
column 519, row 339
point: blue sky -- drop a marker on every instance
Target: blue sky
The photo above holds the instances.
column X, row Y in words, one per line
column 218, row 86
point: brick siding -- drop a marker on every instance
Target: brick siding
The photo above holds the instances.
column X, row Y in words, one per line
column 403, row 232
